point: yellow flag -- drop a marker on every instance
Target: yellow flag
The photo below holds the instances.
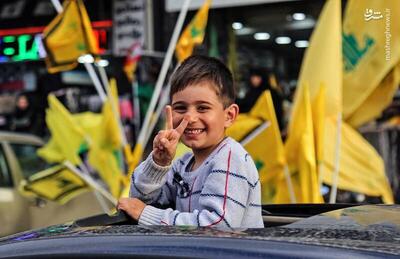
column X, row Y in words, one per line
column 300, row 150
column 68, row 36
column 55, row 184
column 361, row 167
column 323, row 58
column 51, row 152
column 378, row 100
column 104, row 151
column 193, row 33
column 265, row 146
column 318, row 115
column 322, row 65
column 371, row 48
column 322, row 62
column 243, row 126
column 66, row 135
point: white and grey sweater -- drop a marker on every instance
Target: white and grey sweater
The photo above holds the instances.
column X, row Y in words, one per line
column 224, row 191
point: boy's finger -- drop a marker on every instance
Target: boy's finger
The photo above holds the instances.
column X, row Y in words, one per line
column 168, row 113
column 182, row 126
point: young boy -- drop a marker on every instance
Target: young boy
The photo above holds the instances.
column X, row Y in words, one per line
column 217, row 184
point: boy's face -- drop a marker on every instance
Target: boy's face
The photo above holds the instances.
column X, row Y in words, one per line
column 206, row 114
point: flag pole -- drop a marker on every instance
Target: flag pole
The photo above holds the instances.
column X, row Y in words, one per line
column 91, row 182
column 289, row 184
column 136, row 106
column 335, row 176
column 255, row 133
column 160, row 81
column 99, row 196
column 57, row 5
column 96, row 81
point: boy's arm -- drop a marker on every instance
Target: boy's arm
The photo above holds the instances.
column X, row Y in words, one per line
column 149, row 183
column 223, row 200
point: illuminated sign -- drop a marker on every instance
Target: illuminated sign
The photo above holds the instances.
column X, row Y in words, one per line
column 22, row 46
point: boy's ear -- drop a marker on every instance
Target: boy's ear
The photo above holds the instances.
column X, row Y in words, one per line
column 230, row 114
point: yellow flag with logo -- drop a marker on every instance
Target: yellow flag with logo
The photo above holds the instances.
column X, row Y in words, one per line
column 68, row 36
column 371, row 48
column 380, row 98
column 193, row 33
column 300, row 150
column 57, row 184
column 66, row 136
column 361, row 168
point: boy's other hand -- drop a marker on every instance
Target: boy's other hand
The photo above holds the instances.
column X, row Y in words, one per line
column 132, row 206
column 166, row 141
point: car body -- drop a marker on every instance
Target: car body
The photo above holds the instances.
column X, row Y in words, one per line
column 18, row 161
column 348, row 231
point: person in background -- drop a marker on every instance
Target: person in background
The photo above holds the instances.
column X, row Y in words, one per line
column 258, row 82
column 23, row 118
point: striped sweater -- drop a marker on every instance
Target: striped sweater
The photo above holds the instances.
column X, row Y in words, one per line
column 223, row 192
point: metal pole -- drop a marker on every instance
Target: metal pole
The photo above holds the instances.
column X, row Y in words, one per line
column 335, row 176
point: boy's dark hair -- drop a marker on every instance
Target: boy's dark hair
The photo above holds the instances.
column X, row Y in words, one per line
column 198, row 68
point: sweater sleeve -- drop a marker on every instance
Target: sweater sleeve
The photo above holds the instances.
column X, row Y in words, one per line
column 222, row 201
column 150, row 184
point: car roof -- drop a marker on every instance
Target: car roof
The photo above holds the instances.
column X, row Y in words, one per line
column 366, row 229
column 20, row 138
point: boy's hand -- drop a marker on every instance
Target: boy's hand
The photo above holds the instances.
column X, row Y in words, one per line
column 164, row 144
column 132, row 206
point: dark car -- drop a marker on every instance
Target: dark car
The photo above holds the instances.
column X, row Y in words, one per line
column 291, row 231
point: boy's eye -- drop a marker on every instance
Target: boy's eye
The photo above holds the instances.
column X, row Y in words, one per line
column 179, row 108
column 203, row 108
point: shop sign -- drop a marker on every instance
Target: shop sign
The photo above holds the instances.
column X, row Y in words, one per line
column 128, row 25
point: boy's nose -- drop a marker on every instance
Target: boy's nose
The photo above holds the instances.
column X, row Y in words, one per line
column 192, row 116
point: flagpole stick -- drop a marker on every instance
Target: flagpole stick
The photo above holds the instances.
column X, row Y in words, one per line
column 319, row 167
column 255, row 133
column 99, row 197
column 289, row 184
column 57, row 5
column 163, row 73
column 96, row 81
column 91, row 182
column 136, row 106
column 335, row 176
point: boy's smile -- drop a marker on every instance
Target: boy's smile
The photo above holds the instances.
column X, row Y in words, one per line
column 207, row 117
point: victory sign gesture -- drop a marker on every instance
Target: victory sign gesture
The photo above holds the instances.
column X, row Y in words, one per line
column 166, row 141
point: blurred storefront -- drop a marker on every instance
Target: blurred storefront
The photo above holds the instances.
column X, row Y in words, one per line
column 230, row 36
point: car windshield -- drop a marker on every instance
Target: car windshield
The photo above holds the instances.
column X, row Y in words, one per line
column 28, row 160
